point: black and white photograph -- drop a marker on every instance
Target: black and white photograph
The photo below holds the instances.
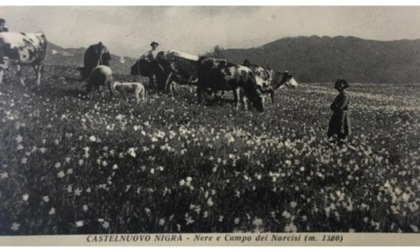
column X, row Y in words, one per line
column 225, row 125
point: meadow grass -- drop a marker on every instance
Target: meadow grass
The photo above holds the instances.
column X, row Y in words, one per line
column 72, row 165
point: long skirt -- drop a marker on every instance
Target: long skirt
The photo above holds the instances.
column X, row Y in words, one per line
column 339, row 125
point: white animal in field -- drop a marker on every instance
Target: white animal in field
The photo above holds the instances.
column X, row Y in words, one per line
column 20, row 49
column 130, row 87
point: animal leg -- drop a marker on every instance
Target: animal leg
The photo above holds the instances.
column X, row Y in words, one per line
column 143, row 95
column 200, row 92
column 1, row 76
column 168, row 82
column 19, row 74
column 111, row 93
column 137, row 95
column 124, row 93
column 272, row 96
column 38, row 72
column 237, row 94
column 246, row 102
column 173, row 88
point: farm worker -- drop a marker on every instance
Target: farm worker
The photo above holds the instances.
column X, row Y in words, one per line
column 339, row 126
column 151, row 57
column 2, row 23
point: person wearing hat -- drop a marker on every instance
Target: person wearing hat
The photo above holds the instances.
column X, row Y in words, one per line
column 151, row 57
column 339, row 125
column 2, row 23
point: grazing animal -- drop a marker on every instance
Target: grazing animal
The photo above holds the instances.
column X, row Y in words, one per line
column 100, row 76
column 130, row 87
column 180, row 68
column 219, row 74
column 169, row 67
column 94, row 56
column 271, row 80
column 20, row 49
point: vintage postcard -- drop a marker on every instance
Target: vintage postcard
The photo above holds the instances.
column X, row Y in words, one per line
column 209, row 125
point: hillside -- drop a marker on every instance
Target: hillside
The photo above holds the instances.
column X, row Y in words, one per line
column 323, row 59
column 57, row 55
column 311, row 59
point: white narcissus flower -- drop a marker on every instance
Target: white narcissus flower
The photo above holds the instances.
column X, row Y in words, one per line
column 257, row 222
column 61, row 174
column 18, row 139
column 132, row 152
column 25, row 197
column 210, row 202
column 79, row 223
column 52, row 211
column 15, row 226
column 4, row 175
column 290, row 228
column 105, row 224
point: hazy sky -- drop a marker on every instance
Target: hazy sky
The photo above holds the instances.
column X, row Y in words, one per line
column 128, row 31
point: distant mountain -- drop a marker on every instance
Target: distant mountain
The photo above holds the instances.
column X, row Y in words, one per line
column 311, row 59
column 57, row 55
column 324, row 59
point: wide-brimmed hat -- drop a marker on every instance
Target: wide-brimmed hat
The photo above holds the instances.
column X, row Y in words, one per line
column 154, row 43
column 341, row 84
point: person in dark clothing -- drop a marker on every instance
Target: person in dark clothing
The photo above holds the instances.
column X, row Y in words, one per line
column 2, row 23
column 339, row 126
column 151, row 57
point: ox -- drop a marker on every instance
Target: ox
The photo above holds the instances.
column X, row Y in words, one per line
column 22, row 49
column 271, row 80
column 94, row 56
column 169, row 67
column 180, row 68
column 219, row 74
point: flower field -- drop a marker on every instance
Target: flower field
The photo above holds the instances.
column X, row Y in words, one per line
column 75, row 165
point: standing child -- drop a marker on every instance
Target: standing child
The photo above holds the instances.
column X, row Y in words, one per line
column 339, row 126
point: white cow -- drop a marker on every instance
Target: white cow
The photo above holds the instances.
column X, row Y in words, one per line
column 20, row 49
column 270, row 80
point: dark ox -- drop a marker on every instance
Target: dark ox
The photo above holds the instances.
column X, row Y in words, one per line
column 22, row 49
column 169, row 67
column 271, row 80
column 219, row 74
column 94, row 56
column 182, row 68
